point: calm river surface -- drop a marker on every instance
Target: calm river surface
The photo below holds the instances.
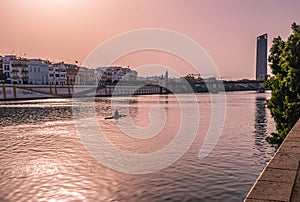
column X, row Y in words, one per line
column 43, row 159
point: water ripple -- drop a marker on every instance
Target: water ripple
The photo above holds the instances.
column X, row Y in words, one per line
column 42, row 159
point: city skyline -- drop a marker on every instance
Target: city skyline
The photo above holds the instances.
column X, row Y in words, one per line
column 70, row 30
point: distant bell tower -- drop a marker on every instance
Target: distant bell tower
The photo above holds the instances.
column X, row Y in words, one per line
column 261, row 57
column 166, row 76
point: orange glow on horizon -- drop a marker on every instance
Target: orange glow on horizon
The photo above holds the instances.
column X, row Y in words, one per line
column 71, row 29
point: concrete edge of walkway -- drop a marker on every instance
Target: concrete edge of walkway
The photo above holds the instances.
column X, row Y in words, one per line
column 276, row 182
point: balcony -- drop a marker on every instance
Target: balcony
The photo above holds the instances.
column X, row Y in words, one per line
column 25, row 78
column 14, row 71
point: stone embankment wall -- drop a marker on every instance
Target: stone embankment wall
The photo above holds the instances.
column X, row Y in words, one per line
column 15, row 92
column 280, row 180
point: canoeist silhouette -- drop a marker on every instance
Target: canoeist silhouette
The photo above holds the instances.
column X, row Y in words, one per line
column 116, row 115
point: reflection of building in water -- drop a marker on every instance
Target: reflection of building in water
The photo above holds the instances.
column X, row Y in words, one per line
column 260, row 123
column 164, row 99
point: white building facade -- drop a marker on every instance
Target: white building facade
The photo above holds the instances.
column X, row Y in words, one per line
column 57, row 74
column 38, row 72
column 18, row 71
column 114, row 74
column 6, row 65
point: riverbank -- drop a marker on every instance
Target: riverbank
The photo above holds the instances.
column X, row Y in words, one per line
column 22, row 92
column 280, row 180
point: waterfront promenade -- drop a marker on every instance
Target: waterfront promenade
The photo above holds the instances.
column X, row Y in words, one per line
column 280, row 180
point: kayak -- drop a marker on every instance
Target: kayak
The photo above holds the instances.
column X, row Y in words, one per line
column 113, row 117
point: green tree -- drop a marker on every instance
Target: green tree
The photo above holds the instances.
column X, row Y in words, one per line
column 3, row 77
column 284, row 103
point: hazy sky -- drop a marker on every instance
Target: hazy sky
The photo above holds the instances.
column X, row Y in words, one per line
column 70, row 29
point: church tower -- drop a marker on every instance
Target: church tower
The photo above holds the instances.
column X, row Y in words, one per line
column 166, row 76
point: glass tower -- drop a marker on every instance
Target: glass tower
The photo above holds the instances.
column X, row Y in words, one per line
column 261, row 57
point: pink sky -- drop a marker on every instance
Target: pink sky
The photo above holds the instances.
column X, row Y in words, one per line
column 70, row 29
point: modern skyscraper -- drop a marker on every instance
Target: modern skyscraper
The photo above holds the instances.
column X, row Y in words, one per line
column 261, row 57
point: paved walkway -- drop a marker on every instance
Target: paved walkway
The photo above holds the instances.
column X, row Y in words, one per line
column 296, row 190
column 280, row 180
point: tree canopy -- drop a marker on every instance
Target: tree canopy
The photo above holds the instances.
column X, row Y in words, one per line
column 284, row 103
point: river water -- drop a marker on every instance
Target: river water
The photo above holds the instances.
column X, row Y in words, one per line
column 43, row 158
